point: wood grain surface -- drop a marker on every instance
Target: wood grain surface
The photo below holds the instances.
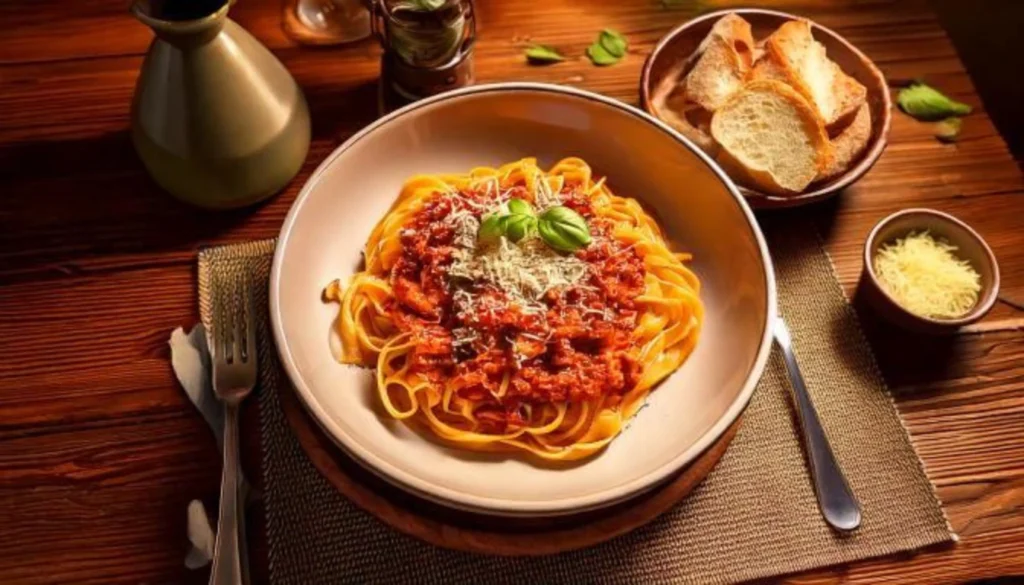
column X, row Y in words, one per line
column 99, row 449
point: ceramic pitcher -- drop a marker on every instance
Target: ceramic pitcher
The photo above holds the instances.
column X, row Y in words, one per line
column 216, row 119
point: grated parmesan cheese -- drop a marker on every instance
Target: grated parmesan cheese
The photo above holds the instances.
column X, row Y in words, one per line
column 925, row 277
column 525, row 272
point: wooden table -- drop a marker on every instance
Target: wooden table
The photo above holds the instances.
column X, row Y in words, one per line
column 99, row 449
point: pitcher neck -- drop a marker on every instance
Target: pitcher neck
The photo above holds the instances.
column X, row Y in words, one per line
column 183, row 23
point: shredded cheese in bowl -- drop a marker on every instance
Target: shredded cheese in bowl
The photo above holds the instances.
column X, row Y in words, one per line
column 926, row 277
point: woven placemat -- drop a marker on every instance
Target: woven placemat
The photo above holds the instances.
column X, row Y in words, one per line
column 754, row 516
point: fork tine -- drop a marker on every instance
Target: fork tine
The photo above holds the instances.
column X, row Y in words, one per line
column 250, row 325
column 238, row 314
column 221, row 339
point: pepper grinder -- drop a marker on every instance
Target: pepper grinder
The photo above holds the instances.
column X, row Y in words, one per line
column 427, row 48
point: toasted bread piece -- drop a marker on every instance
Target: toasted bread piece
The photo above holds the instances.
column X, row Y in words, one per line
column 718, row 74
column 723, row 61
column 734, row 29
column 836, row 95
column 675, row 110
column 850, row 143
column 775, row 135
column 768, row 67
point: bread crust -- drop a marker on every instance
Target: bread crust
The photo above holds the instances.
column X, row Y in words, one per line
column 849, row 144
column 723, row 62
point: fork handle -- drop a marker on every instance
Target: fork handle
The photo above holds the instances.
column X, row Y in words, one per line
column 227, row 563
column 835, row 498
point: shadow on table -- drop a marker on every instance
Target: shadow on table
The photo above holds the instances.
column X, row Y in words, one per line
column 87, row 205
column 907, row 360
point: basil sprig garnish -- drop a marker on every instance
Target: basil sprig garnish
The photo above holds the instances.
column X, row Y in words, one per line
column 559, row 227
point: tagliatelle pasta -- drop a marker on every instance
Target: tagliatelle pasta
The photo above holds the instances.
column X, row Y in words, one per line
column 511, row 342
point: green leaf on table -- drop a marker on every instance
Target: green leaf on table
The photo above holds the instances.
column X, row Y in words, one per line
column 563, row 229
column 608, row 49
column 613, row 42
column 543, row 54
column 925, row 103
column 948, row 130
column 600, row 56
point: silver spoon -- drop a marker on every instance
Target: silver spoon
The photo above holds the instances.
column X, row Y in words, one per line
column 836, row 500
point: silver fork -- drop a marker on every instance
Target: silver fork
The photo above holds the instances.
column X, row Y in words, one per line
column 234, row 376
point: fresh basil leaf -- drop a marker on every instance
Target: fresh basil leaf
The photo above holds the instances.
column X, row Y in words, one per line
column 926, row 103
column 613, row 42
column 519, row 207
column 600, row 56
column 563, row 229
column 427, row 5
column 556, row 238
column 543, row 54
column 519, row 226
column 492, row 228
column 552, row 238
column 948, row 130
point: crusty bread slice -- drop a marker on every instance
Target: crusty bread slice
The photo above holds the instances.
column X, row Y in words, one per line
column 774, row 135
column 718, row 74
column 723, row 61
column 734, row 29
column 836, row 95
column 849, row 144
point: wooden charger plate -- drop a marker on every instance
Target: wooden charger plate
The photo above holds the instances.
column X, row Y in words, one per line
column 478, row 533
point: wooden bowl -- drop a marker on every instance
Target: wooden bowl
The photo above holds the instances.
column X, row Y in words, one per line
column 671, row 58
column 970, row 247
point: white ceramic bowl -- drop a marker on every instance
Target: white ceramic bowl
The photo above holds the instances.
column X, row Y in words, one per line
column 699, row 207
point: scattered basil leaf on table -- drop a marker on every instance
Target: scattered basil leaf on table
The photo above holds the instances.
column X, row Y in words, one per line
column 600, row 56
column 948, row 130
column 543, row 54
column 613, row 42
column 563, row 229
column 608, row 49
column 926, row 103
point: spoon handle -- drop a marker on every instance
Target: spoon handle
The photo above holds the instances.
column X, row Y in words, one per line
column 836, row 500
